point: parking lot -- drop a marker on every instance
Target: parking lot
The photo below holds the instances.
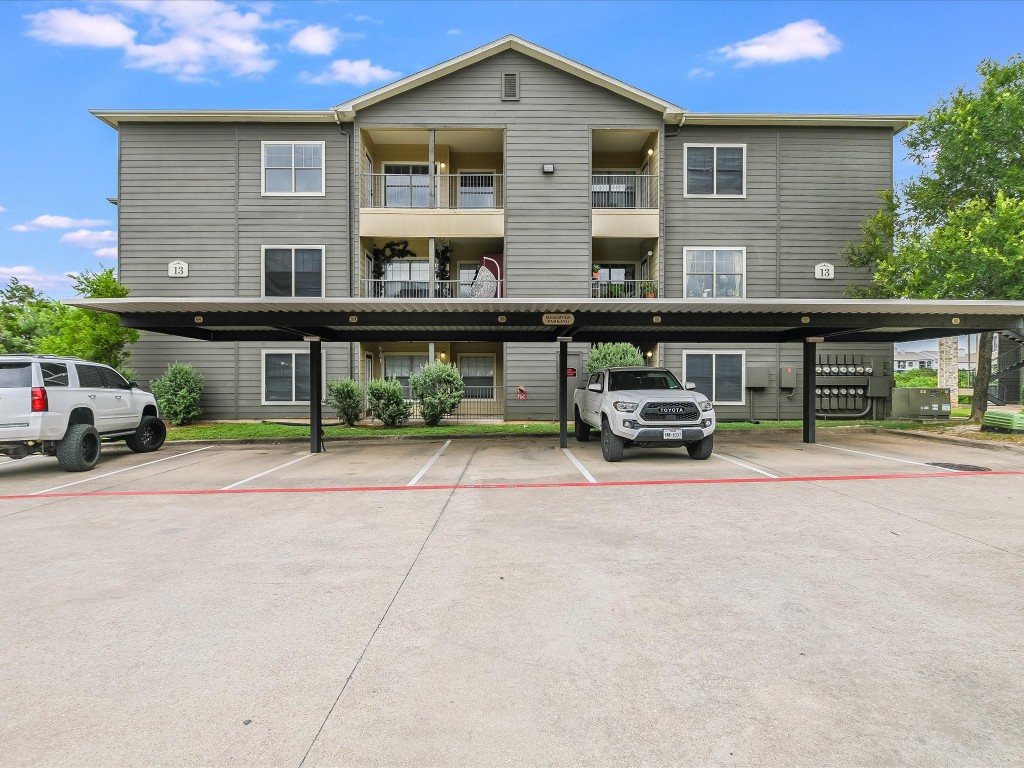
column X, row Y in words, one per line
column 859, row 601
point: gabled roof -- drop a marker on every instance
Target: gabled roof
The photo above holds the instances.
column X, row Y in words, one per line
column 669, row 111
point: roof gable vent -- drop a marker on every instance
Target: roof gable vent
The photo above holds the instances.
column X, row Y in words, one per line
column 510, row 86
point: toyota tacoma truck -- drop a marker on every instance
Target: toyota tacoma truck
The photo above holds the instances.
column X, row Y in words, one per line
column 643, row 407
column 67, row 407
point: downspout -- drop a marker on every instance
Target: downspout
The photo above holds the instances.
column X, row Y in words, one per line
column 352, row 165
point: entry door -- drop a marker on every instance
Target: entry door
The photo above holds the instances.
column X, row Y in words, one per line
column 573, row 361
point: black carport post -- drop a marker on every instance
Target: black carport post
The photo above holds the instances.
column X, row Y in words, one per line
column 563, row 415
column 810, row 360
column 315, row 395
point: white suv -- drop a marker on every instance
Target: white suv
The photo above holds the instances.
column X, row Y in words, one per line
column 66, row 406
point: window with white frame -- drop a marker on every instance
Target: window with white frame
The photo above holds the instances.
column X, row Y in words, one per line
column 717, row 375
column 407, row 279
column 477, row 373
column 293, row 168
column 407, row 185
column 286, row 377
column 714, row 273
column 293, row 271
column 715, row 170
column 401, row 367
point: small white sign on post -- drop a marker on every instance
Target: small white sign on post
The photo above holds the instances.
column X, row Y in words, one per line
column 824, row 272
column 177, row 269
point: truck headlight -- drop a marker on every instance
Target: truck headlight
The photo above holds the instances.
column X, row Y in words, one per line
column 625, row 406
column 706, row 405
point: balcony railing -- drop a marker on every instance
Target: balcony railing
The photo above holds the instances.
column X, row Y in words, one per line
column 458, row 191
column 420, row 289
column 623, row 289
column 618, row 190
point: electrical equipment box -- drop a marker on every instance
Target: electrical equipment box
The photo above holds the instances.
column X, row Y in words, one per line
column 849, row 386
column 757, row 378
column 787, row 377
column 920, row 403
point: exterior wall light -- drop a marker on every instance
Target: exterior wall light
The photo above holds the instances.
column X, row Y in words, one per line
column 548, row 168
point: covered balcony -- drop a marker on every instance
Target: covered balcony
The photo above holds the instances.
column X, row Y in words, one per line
column 423, row 182
column 625, row 268
column 407, row 269
column 625, row 184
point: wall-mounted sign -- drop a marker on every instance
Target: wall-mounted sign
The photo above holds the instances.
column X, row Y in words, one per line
column 824, row 272
column 558, row 318
column 177, row 269
column 570, row 372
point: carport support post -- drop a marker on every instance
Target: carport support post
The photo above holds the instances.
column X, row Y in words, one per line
column 810, row 360
column 315, row 395
column 563, row 416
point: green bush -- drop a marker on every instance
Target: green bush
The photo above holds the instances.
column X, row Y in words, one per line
column 177, row 393
column 919, row 377
column 347, row 398
column 613, row 356
column 439, row 388
column 387, row 401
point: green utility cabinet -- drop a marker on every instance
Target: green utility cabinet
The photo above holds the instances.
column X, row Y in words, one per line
column 920, row 403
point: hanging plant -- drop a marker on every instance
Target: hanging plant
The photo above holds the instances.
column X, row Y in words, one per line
column 442, row 260
column 391, row 250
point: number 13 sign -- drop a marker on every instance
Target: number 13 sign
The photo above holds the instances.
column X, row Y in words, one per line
column 824, row 272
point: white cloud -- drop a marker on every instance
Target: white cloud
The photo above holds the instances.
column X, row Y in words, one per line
column 69, row 26
column 87, row 238
column 360, row 72
column 805, row 39
column 42, row 281
column 316, row 40
column 2, row 209
column 46, row 221
column 454, row 32
column 106, row 253
column 365, row 19
column 187, row 40
column 700, row 73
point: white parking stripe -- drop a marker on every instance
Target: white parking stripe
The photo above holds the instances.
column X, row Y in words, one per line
column 739, row 463
column 429, row 464
column 580, row 467
column 880, row 456
column 261, row 474
column 119, row 471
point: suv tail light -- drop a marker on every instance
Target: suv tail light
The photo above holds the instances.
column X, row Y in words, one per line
column 39, row 400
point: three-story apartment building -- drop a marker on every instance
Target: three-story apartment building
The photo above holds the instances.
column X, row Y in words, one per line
column 509, row 172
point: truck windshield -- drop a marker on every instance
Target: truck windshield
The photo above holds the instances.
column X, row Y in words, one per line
column 620, row 380
column 15, row 375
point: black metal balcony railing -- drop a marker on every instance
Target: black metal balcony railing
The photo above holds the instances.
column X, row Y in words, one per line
column 459, row 191
column 616, row 190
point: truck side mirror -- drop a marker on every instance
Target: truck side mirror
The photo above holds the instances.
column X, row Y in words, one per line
column 689, row 385
column 595, row 387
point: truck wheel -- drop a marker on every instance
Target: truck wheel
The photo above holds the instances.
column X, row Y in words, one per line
column 611, row 444
column 80, row 449
column 701, row 450
column 582, row 429
column 149, row 436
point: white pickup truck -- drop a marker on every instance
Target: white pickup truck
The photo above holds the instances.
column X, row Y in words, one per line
column 645, row 407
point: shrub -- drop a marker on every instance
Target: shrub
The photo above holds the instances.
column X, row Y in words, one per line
column 919, row 377
column 439, row 388
column 177, row 393
column 388, row 401
column 347, row 398
column 613, row 356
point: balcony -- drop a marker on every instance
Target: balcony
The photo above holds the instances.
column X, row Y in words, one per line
column 452, row 191
column 623, row 289
column 443, row 289
column 624, row 191
column 625, row 186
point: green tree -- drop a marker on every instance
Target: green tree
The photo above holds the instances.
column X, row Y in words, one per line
column 177, row 393
column 347, row 398
column 95, row 336
column 26, row 316
column 439, row 388
column 955, row 231
column 613, row 356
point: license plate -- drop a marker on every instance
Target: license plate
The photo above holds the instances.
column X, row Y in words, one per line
column 672, row 434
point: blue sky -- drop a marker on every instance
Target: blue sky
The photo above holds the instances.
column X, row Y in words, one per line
column 61, row 59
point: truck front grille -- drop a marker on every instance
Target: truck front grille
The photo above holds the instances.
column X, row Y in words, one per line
column 670, row 412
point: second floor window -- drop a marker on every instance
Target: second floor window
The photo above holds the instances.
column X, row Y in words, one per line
column 293, row 271
column 293, row 168
column 715, row 170
column 714, row 273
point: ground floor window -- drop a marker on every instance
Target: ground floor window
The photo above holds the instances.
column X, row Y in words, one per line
column 717, row 375
column 285, row 378
column 401, row 367
column 477, row 373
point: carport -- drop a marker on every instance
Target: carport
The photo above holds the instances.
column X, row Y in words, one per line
column 560, row 321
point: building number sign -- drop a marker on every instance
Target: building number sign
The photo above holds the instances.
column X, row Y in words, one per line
column 177, row 269
column 824, row 272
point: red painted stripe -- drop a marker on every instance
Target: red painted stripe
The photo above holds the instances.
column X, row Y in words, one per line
column 506, row 486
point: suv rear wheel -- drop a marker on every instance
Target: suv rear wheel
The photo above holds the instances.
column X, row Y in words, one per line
column 80, row 449
column 149, row 436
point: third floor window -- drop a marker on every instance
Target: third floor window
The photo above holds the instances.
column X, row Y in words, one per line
column 715, row 170
column 293, row 168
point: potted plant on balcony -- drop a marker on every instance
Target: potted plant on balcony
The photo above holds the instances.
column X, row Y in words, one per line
column 649, row 288
column 596, row 269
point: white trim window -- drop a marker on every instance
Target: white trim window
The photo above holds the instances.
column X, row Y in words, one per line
column 719, row 376
column 714, row 273
column 715, row 170
column 295, row 168
column 285, row 375
column 401, row 367
column 293, row 271
column 477, row 373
